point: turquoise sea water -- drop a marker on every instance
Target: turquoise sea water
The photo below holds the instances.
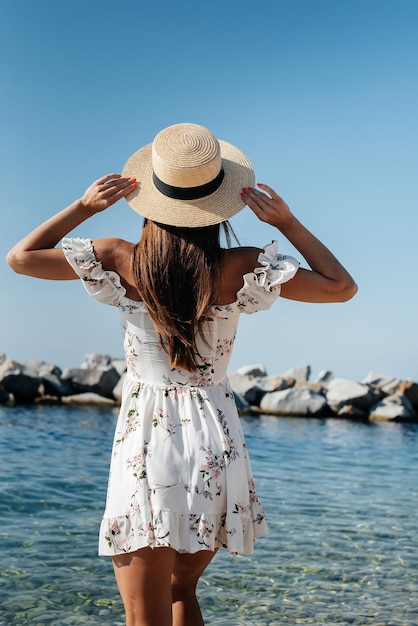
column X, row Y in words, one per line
column 341, row 500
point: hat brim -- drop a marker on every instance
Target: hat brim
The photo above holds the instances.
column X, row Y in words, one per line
column 219, row 206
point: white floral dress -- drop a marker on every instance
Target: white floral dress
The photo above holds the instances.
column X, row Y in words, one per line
column 180, row 474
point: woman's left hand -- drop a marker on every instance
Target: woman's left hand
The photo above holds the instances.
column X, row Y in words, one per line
column 106, row 191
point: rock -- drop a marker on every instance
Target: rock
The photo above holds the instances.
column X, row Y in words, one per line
column 9, row 366
column 55, row 386
column 88, row 398
column 410, row 391
column 294, row 401
column 47, row 399
column 252, row 370
column 275, row 383
column 252, row 389
column 117, row 390
column 394, row 407
column 341, row 392
column 100, row 381
column 324, row 378
column 50, row 378
column 350, row 412
column 13, row 380
column 241, row 403
column 7, row 398
column 387, row 384
column 317, row 387
column 300, row 374
column 246, row 388
column 240, row 382
column 40, row 368
column 96, row 362
column 119, row 365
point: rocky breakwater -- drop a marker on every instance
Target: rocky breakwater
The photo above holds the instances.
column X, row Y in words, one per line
column 376, row 397
column 99, row 381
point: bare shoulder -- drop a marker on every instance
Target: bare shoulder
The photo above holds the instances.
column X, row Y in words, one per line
column 112, row 247
column 240, row 260
column 236, row 262
column 113, row 251
column 116, row 255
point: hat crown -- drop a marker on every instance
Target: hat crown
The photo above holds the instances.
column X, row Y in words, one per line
column 186, row 155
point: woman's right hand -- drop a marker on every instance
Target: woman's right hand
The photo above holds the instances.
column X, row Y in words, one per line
column 327, row 280
column 271, row 208
column 106, row 191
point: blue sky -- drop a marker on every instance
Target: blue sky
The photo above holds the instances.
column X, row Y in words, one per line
column 321, row 95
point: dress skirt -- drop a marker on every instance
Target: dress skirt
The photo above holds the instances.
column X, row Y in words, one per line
column 180, row 474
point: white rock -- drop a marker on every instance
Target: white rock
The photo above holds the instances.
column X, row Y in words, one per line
column 294, row 401
column 117, row 390
column 387, row 384
column 97, row 380
column 393, row 407
column 95, row 361
column 324, row 378
column 119, row 365
column 300, row 373
column 341, row 391
column 88, row 398
column 252, row 370
column 251, row 389
column 240, row 402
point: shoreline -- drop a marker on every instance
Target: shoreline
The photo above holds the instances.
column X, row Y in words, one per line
column 98, row 381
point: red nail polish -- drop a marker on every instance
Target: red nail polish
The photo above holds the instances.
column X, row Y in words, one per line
column 258, row 184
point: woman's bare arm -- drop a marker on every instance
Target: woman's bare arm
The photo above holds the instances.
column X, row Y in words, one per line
column 36, row 255
column 327, row 280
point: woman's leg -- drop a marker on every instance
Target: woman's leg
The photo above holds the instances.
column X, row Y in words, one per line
column 143, row 579
column 186, row 573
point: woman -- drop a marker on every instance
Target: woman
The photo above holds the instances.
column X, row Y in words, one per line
column 180, row 482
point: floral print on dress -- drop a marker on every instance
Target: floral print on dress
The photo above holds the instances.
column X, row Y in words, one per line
column 117, row 537
column 132, row 423
column 209, row 472
column 131, row 351
column 180, row 474
column 203, row 529
column 137, row 464
column 163, row 420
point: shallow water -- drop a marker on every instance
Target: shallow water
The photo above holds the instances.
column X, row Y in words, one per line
column 341, row 500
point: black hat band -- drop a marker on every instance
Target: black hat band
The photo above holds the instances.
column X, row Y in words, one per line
column 188, row 193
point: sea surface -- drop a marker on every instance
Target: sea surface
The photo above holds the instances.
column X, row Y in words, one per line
column 340, row 496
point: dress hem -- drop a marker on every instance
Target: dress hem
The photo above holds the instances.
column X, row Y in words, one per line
column 185, row 533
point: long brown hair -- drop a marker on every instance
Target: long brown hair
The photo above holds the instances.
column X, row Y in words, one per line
column 176, row 273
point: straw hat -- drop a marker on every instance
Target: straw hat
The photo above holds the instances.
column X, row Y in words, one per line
column 187, row 177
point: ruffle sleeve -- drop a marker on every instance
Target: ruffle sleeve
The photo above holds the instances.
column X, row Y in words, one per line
column 103, row 285
column 262, row 286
